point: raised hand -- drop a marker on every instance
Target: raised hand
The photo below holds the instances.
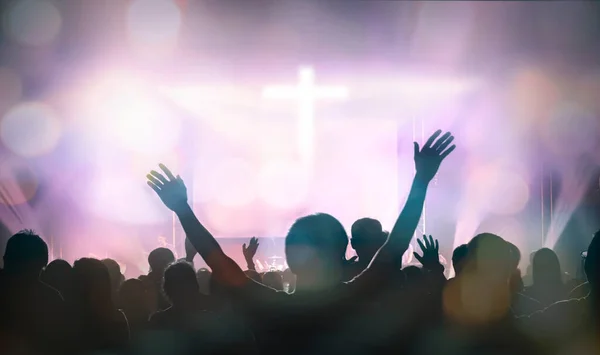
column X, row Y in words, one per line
column 431, row 253
column 170, row 189
column 250, row 251
column 429, row 158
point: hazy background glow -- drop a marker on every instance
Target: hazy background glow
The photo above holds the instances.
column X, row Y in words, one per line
column 94, row 94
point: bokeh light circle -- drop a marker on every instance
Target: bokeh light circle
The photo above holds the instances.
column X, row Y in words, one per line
column 33, row 22
column 153, row 22
column 283, row 184
column 30, row 129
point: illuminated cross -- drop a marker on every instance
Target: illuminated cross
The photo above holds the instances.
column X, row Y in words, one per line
column 307, row 93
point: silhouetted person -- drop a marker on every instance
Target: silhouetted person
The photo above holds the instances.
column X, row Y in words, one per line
column 116, row 277
column 158, row 259
column 198, row 329
column 459, row 255
column 181, row 288
column 367, row 237
column 571, row 326
column 477, row 303
column 521, row 304
column 315, row 318
column 203, row 276
column 273, row 279
column 98, row 324
column 548, row 286
column 32, row 314
column 134, row 302
column 59, row 275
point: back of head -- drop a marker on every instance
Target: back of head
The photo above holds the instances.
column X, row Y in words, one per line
column 592, row 263
column 459, row 255
column 92, row 286
column 132, row 294
column 159, row 259
column 481, row 293
column 546, row 268
column 58, row 274
column 180, row 282
column 26, row 254
column 203, row 276
column 515, row 255
column 490, row 255
column 114, row 272
column 316, row 244
column 273, row 279
column 367, row 237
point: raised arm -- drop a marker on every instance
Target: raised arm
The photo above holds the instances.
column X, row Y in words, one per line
column 427, row 163
column 173, row 193
column 249, row 252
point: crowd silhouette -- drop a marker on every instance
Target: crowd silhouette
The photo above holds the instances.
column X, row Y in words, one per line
column 323, row 304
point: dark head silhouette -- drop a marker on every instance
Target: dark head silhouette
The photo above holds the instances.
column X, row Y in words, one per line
column 491, row 255
column 203, row 276
column 315, row 247
column 59, row 274
column 92, row 287
column 26, row 254
column 159, row 259
column 131, row 294
column 180, row 284
column 133, row 300
column 114, row 272
column 480, row 293
column 367, row 237
column 273, row 279
column 459, row 255
column 546, row 268
column 516, row 281
column 592, row 264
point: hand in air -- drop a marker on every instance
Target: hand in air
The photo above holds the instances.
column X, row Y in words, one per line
column 435, row 150
column 431, row 255
column 250, row 251
column 170, row 189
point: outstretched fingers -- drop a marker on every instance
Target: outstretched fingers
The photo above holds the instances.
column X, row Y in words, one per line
column 151, row 179
column 448, row 151
column 432, row 139
column 154, row 187
column 168, row 172
column 418, row 257
column 445, row 143
column 421, row 245
column 159, row 176
column 441, row 140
